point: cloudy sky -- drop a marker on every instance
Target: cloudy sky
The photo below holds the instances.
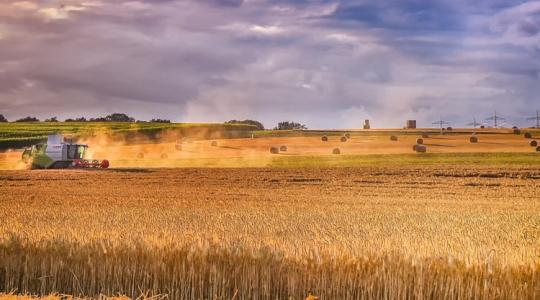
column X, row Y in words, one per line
column 325, row 63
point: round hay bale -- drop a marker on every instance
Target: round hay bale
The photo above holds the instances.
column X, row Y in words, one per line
column 425, row 135
column 528, row 135
column 164, row 156
column 178, row 147
column 347, row 135
column 533, row 143
column 538, row 149
column 482, row 127
column 343, row 139
column 517, row 131
column 414, row 147
column 283, row 148
column 274, row 150
column 140, row 155
column 449, row 128
column 420, row 148
column 419, row 141
column 393, row 138
column 324, row 138
column 214, row 144
column 336, row 151
column 473, row 139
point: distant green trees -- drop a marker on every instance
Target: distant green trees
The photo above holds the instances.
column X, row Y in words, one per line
column 27, row 119
column 257, row 124
column 51, row 120
column 160, row 121
column 115, row 117
column 81, row 119
column 286, row 125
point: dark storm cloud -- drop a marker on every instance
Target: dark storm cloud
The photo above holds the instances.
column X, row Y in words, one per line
column 322, row 62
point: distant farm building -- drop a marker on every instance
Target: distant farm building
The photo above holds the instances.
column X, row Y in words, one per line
column 411, row 124
column 366, row 124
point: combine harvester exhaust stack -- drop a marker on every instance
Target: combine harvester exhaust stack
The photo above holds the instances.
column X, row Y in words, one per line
column 57, row 153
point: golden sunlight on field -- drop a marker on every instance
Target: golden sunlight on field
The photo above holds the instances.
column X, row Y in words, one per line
column 342, row 233
column 248, row 152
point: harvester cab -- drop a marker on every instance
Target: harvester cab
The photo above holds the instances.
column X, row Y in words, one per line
column 59, row 153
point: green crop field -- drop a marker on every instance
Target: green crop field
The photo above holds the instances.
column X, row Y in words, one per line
column 17, row 135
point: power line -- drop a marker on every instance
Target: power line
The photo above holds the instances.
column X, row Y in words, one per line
column 474, row 123
column 441, row 123
column 537, row 118
column 495, row 118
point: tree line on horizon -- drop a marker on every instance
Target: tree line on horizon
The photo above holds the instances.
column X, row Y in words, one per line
column 120, row 117
column 115, row 117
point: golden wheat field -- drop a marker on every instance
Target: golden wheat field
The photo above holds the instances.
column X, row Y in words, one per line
column 401, row 232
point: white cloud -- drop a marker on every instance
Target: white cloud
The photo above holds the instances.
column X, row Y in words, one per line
column 137, row 5
column 267, row 30
column 25, row 5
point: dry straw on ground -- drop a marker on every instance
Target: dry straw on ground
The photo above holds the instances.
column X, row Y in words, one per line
column 342, row 233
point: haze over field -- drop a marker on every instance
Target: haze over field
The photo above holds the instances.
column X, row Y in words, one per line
column 326, row 64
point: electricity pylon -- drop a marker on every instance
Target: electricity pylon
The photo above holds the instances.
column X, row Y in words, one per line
column 441, row 123
column 495, row 118
column 537, row 118
column 474, row 123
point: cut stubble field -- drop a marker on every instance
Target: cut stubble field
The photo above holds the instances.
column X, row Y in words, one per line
column 391, row 232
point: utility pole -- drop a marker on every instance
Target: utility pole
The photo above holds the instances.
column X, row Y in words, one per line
column 474, row 123
column 441, row 123
column 495, row 118
column 537, row 118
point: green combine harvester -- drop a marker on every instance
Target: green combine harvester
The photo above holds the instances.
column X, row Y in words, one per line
column 58, row 153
